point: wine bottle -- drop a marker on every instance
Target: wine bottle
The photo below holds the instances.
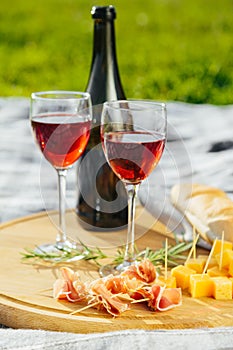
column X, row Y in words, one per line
column 102, row 199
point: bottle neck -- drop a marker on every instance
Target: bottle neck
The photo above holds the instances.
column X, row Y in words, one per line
column 104, row 40
column 104, row 69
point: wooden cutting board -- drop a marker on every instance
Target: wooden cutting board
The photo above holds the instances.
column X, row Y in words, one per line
column 26, row 289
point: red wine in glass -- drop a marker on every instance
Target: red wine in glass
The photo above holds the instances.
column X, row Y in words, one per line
column 133, row 136
column 61, row 123
column 61, row 139
column 133, row 155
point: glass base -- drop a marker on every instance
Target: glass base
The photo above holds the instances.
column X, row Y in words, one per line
column 50, row 248
column 112, row 269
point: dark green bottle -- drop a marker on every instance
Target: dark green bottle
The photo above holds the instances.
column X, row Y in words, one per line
column 102, row 199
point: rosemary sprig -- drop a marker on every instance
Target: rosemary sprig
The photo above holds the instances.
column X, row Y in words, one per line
column 157, row 257
column 64, row 255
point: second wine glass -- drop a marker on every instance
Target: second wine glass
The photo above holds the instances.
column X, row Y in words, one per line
column 61, row 123
column 133, row 136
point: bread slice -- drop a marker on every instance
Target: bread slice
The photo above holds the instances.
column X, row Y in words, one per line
column 207, row 208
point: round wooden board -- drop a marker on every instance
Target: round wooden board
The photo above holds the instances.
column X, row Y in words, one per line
column 26, row 290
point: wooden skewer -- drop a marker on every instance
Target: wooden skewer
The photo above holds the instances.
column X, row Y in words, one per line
column 84, row 308
column 221, row 252
column 194, row 237
column 209, row 257
column 193, row 247
column 139, row 300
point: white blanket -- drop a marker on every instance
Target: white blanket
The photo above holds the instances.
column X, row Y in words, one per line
column 203, row 339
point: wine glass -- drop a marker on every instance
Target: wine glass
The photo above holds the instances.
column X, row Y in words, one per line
column 61, row 124
column 133, row 135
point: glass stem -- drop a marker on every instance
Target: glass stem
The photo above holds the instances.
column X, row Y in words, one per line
column 129, row 249
column 61, row 236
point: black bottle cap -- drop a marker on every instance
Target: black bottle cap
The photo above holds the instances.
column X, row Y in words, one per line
column 103, row 12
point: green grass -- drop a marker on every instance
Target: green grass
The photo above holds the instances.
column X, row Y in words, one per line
column 167, row 49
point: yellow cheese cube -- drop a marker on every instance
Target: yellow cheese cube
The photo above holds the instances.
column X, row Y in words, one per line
column 170, row 282
column 212, row 262
column 222, row 288
column 196, row 264
column 215, row 272
column 201, row 286
column 231, row 279
column 218, row 246
column 182, row 275
column 227, row 256
column 230, row 270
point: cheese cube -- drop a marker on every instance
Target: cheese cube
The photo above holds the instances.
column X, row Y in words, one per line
column 212, row 262
column 222, row 288
column 231, row 279
column 218, row 246
column 196, row 264
column 227, row 256
column 201, row 286
column 230, row 270
column 170, row 282
column 215, row 272
column 182, row 275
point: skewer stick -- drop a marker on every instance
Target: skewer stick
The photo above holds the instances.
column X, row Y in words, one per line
column 139, row 300
column 84, row 308
column 194, row 236
column 221, row 252
column 209, row 257
column 193, row 247
column 165, row 263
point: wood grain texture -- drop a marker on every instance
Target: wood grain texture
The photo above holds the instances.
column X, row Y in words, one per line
column 26, row 290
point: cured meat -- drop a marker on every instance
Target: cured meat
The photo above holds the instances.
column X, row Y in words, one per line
column 106, row 299
column 116, row 284
column 163, row 298
column 69, row 287
column 143, row 271
column 60, row 289
column 122, row 284
column 115, row 293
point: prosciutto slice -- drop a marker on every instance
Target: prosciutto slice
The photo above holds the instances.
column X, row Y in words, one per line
column 163, row 298
column 107, row 300
column 122, row 284
column 69, row 286
column 143, row 271
column 116, row 284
